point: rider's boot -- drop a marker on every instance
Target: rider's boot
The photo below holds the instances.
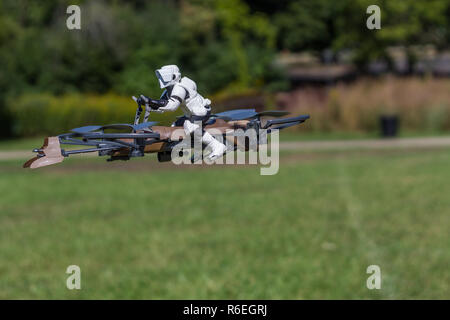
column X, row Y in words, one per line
column 217, row 148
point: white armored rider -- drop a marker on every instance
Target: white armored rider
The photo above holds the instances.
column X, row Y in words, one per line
column 196, row 108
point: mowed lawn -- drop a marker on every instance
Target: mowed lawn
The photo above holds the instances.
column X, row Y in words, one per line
column 223, row 232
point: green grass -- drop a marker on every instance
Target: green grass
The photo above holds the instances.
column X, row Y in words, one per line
column 222, row 232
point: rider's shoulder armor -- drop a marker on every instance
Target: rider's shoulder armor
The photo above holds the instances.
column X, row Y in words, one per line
column 189, row 85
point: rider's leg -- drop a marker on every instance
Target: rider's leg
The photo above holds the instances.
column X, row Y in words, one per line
column 217, row 148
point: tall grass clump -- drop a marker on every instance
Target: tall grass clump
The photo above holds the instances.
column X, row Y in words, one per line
column 422, row 104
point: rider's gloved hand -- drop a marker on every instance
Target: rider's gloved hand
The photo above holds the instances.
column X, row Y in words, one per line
column 152, row 103
column 142, row 100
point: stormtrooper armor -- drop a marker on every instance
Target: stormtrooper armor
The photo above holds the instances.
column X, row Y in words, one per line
column 179, row 90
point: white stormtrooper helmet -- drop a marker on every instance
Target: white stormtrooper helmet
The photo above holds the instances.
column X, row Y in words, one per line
column 168, row 75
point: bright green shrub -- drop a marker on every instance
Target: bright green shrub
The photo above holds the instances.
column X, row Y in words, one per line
column 44, row 114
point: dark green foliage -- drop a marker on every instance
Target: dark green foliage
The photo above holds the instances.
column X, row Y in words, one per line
column 121, row 43
column 307, row 25
column 225, row 45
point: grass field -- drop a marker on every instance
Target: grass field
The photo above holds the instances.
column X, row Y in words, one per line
column 142, row 230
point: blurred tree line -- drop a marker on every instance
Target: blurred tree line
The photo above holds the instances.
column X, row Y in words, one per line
column 225, row 45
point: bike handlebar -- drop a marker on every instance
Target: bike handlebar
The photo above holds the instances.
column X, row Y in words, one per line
column 142, row 100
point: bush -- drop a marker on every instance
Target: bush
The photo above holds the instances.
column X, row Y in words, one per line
column 45, row 114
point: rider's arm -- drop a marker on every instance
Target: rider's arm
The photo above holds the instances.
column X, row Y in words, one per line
column 177, row 96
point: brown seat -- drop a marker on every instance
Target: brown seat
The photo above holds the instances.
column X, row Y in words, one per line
column 179, row 134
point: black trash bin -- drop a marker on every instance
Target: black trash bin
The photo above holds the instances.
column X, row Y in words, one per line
column 389, row 126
